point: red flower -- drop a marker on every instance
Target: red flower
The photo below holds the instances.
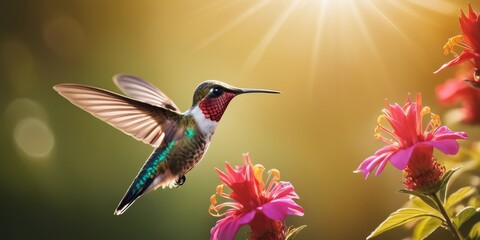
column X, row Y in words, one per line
column 469, row 41
column 263, row 206
column 456, row 90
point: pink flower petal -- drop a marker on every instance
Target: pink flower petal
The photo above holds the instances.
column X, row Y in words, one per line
column 447, row 146
column 367, row 166
column 382, row 165
column 464, row 56
column 451, row 90
column 223, row 177
column 227, row 228
column 278, row 209
column 376, row 161
column 443, row 133
column 401, row 158
column 284, row 189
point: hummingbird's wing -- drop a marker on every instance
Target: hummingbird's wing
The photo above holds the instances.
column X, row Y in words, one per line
column 140, row 120
column 140, row 89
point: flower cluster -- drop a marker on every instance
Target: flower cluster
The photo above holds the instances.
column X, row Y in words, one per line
column 262, row 205
column 458, row 89
column 410, row 145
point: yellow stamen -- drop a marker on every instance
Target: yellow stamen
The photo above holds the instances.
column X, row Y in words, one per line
column 275, row 173
column 436, row 122
column 258, row 170
column 213, row 200
column 452, row 42
column 378, row 133
column 380, row 119
column 219, row 189
column 425, row 110
column 212, row 210
column 272, row 179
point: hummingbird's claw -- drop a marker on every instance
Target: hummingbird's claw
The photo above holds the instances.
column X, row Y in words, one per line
column 180, row 181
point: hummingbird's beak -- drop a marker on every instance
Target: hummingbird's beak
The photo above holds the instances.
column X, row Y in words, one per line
column 248, row 90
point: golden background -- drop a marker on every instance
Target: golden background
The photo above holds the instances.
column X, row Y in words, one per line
column 63, row 172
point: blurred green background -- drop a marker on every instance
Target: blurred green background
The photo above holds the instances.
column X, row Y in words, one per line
column 63, row 172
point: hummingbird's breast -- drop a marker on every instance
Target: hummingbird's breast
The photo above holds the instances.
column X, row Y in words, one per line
column 189, row 148
column 187, row 156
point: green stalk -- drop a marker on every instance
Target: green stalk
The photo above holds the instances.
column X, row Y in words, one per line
column 452, row 227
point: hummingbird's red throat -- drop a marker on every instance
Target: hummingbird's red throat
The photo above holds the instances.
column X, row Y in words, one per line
column 213, row 108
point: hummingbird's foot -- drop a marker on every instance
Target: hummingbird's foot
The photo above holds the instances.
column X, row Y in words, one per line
column 180, row 181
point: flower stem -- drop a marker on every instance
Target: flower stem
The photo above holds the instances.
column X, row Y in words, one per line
column 452, row 227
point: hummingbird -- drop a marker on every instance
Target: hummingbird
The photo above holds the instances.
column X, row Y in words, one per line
column 180, row 140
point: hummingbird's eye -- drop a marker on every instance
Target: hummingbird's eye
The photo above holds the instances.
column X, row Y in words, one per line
column 216, row 92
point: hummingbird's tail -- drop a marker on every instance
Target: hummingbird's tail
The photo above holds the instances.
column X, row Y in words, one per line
column 126, row 202
column 154, row 173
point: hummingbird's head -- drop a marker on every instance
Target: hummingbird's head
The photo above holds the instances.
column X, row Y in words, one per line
column 212, row 97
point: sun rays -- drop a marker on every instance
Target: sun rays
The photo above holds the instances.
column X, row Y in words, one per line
column 259, row 50
column 341, row 17
column 237, row 21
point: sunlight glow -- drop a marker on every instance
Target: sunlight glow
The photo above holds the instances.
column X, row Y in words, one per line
column 341, row 16
column 322, row 8
column 237, row 21
column 257, row 53
column 443, row 6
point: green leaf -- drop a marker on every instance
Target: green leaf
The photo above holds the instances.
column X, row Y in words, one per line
column 464, row 215
column 470, row 224
column 400, row 217
column 444, row 182
column 425, row 198
column 426, row 227
column 475, row 232
column 292, row 232
column 458, row 196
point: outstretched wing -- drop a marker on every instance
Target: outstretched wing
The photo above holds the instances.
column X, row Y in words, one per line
column 140, row 120
column 140, row 89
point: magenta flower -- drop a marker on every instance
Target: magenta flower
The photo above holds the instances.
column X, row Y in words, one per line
column 263, row 206
column 469, row 41
column 407, row 134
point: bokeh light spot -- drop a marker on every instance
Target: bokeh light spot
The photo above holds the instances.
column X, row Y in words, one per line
column 21, row 108
column 64, row 36
column 34, row 137
column 18, row 65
